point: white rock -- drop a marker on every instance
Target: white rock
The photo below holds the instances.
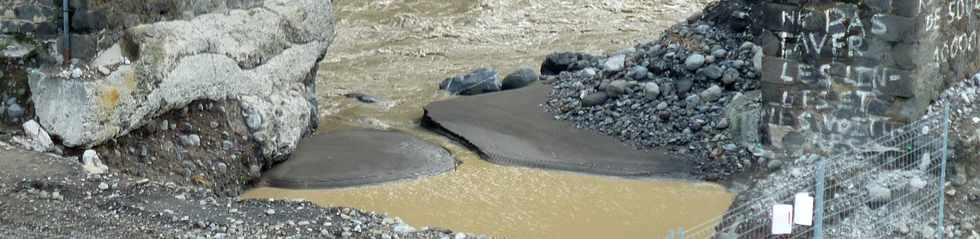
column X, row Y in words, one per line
column 615, row 63
column 40, row 140
column 92, row 164
column 403, row 228
column 240, row 55
column 459, row 235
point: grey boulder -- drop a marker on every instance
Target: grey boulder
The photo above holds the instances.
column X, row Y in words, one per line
column 483, row 80
column 519, row 78
column 243, row 56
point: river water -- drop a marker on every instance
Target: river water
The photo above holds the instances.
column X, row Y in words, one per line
column 400, row 50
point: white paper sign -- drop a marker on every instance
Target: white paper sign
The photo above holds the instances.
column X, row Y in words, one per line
column 782, row 219
column 803, row 209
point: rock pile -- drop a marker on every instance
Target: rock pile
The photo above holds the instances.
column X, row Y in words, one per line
column 671, row 93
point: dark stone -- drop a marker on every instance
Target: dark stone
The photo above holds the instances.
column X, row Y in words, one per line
column 617, row 88
column 564, row 61
column 14, row 112
column 594, row 99
column 639, row 73
column 509, row 130
column 363, row 97
column 684, row 86
column 85, row 22
column 358, row 157
column 480, row 81
column 46, row 30
column 712, row 72
column 519, row 78
column 730, row 76
column 82, row 46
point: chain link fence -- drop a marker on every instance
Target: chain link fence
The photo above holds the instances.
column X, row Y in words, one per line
column 892, row 187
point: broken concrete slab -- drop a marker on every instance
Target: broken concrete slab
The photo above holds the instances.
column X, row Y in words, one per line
column 512, row 128
column 358, row 157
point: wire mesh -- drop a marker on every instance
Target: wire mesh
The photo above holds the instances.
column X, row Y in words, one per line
column 889, row 187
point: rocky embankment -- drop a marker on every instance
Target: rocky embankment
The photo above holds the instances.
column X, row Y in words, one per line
column 45, row 196
column 165, row 111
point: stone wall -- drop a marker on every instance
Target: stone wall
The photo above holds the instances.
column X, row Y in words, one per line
column 836, row 74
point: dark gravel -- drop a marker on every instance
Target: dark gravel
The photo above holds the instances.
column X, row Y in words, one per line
column 671, row 93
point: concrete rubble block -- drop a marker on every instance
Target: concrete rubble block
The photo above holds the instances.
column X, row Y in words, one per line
column 265, row 58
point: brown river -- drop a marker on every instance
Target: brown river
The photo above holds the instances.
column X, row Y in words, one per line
column 399, row 50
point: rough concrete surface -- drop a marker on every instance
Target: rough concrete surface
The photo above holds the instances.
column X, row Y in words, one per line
column 358, row 157
column 511, row 127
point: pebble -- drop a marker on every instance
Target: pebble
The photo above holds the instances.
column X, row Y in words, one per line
column 711, row 94
column 774, row 165
column 694, row 61
column 403, row 228
column 615, row 63
column 594, row 99
column 639, row 73
column 617, row 88
column 190, row 140
column 92, row 164
column 662, row 106
column 103, row 186
column 14, row 112
column 712, row 72
column 692, row 101
column 459, row 235
column 651, row 90
column 270, row 211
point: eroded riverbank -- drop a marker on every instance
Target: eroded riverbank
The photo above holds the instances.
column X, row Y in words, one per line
column 399, row 51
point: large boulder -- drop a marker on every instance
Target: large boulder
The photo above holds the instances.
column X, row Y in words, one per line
column 263, row 57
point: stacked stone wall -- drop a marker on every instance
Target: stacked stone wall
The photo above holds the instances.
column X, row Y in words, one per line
column 836, row 74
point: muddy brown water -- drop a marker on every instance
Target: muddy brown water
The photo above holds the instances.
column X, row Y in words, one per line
column 400, row 50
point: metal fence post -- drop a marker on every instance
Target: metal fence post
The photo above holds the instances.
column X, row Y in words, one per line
column 818, row 200
column 942, row 172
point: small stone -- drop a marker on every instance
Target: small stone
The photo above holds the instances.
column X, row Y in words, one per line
column 692, row 101
column 190, row 140
column 722, row 124
column 103, row 186
column 14, row 112
column 363, row 98
column 594, row 99
column 617, row 88
column 730, row 147
column 270, row 211
column 615, row 63
column 104, row 70
column 712, row 72
column 774, row 165
column 711, row 94
column 215, row 124
column 694, row 61
column 459, row 235
column 40, row 139
column 651, row 90
column 92, row 164
column 57, row 196
column 253, row 120
column 719, row 53
column 227, row 145
column 403, row 228
column 639, row 73
column 730, row 76
column 684, row 86
column 76, row 73
column 662, row 106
